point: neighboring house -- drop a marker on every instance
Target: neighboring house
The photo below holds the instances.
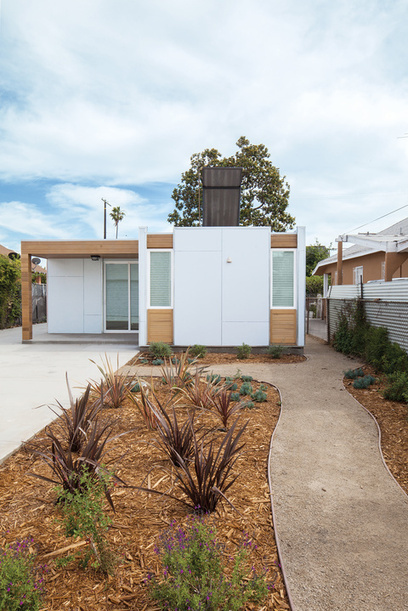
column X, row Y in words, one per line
column 374, row 256
column 11, row 254
column 217, row 286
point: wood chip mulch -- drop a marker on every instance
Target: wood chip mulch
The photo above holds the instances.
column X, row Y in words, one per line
column 27, row 509
column 221, row 358
column 392, row 418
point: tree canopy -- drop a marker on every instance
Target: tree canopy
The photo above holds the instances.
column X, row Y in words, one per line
column 315, row 253
column 264, row 193
column 117, row 215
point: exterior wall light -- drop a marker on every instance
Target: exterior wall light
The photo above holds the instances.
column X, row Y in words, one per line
column 95, row 257
column 229, row 260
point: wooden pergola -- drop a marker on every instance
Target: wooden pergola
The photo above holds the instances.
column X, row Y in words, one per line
column 75, row 249
column 395, row 248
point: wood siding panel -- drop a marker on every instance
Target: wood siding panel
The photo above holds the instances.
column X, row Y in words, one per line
column 160, row 326
column 160, row 240
column 284, row 240
column 26, row 298
column 283, row 327
column 66, row 249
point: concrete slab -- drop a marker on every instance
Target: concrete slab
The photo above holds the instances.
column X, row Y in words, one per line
column 33, row 375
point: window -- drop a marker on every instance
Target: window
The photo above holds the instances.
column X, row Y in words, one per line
column 358, row 274
column 283, row 279
column 160, row 291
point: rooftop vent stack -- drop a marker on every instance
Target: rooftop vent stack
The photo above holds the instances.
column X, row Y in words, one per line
column 221, row 196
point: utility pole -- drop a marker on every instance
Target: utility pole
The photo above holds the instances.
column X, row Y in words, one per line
column 104, row 216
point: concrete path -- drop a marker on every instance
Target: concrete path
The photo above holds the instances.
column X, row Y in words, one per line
column 341, row 520
column 34, row 374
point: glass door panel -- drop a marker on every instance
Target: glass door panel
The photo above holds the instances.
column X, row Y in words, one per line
column 117, row 296
column 134, row 296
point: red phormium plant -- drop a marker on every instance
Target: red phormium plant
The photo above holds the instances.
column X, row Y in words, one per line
column 223, row 406
column 209, row 477
column 114, row 382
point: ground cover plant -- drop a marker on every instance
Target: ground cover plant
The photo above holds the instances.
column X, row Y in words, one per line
column 28, row 506
column 21, row 581
column 194, row 574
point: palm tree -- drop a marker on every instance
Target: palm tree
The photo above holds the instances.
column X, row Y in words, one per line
column 117, row 215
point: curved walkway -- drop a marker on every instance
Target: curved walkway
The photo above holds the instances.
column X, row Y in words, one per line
column 341, row 520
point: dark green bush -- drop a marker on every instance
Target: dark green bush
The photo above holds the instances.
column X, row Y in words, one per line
column 376, row 346
column 397, row 387
column 394, row 359
column 157, row 362
column 160, row 350
column 275, row 351
column 244, row 351
column 198, row 351
column 235, row 396
column 247, row 378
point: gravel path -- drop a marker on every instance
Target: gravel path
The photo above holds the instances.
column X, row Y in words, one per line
column 340, row 518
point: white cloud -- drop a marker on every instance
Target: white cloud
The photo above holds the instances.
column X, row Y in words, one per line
column 123, row 93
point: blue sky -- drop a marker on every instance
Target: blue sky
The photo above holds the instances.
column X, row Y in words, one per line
column 110, row 99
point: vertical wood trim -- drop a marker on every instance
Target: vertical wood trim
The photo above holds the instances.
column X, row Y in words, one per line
column 160, row 326
column 26, row 297
column 282, row 327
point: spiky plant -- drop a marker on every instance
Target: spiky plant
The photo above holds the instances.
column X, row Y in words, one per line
column 73, row 423
column 224, row 406
column 115, row 383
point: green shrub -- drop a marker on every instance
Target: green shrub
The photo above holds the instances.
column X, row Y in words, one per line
column 394, row 359
column 246, row 389
column 259, row 396
column 364, row 382
column 249, row 404
column 376, row 346
column 275, row 351
column 10, row 292
column 83, row 515
column 352, row 374
column 198, row 351
column 247, row 378
column 194, row 576
column 160, row 350
column 213, row 378
column 397, row 387
column 157, row 362
column 244, row 351
column 235, row 396
column 343, row 338
column 136, row 388
column 20, row 581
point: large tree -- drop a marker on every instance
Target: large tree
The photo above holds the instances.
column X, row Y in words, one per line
column 264, row 196
column 315, row 253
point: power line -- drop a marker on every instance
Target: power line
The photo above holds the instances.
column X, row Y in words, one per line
column 379, row 218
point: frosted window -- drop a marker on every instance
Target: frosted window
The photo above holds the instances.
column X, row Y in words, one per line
column 283, row 279
column 160, row 279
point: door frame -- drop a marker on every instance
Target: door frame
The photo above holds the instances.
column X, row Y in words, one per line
column 127, row 262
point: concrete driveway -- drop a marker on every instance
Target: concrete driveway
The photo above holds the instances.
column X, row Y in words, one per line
column 33, row 375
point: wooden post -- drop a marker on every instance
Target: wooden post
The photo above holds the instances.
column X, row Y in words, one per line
column 393, row 260
column 339, row 262
column 26, row 297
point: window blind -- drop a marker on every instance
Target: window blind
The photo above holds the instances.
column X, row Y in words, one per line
column 283, row 277
column 160, row 279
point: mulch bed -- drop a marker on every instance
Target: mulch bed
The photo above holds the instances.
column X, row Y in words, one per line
column 27, row 509
column 222, row 358
column 392, row 418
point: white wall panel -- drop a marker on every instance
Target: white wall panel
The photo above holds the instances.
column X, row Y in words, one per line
column 251, row 333
column 197, row 298
column 245, row 280
column 197, row 238
column 93, row 296
column 65, row 304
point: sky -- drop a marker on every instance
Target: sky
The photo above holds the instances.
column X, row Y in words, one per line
column 109, row 99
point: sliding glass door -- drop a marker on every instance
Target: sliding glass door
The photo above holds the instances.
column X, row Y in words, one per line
column 121, row 296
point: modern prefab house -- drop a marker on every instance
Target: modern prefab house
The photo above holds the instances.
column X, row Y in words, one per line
column 216, row 286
